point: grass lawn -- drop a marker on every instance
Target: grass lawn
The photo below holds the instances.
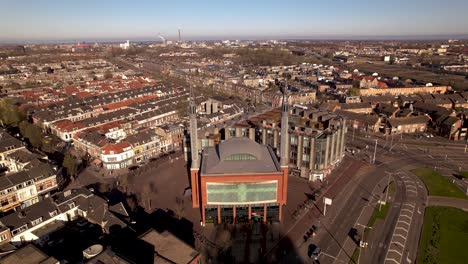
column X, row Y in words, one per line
column 355, row 257
column 464, row 174
column 391, row 188
column 444, row 237
column 438, row 185
column 377, row 215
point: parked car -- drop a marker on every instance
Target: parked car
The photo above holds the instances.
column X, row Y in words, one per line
column 314, row 251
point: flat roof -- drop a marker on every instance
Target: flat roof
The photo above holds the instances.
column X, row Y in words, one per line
column 29, row 254
column 215, row 160
column 170, row 247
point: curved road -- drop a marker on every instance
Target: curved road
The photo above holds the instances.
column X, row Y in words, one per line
column 447, row 201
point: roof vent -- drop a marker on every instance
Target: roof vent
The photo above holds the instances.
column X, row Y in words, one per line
column 22, row 214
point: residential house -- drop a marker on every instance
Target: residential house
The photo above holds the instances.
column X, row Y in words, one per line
column 361, row 122
column 37, row 222
column 8, row 144
column 386, row 110
column 25, row 187
column 362, row 108
column 412, row 124
column 368, row 82
column 117, row 155
column 146, row 145
column 449, row 127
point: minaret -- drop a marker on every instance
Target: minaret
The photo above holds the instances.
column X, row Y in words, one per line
column 195, row 165
column 284, row 150
column 193, row 130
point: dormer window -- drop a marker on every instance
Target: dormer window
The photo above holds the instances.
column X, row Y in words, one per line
column 36, row 222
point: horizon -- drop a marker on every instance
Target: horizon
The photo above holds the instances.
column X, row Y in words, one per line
column 241, row 38
column 57, row 21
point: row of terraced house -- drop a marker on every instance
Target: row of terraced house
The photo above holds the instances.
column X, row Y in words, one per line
column 25, row 177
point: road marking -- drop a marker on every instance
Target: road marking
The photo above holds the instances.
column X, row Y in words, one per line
column 399, row 227
column 396, row 251
column 392, row 260
column 401, row 221
column 407, row 216
column 412, row 205
column 399, row 244
column 400, row 236
column 406, row 209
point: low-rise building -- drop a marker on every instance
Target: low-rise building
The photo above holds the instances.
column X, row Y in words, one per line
column 38, row 221
column 410, row 124
column 22, row 189
column 8, row 144
column 117, row 156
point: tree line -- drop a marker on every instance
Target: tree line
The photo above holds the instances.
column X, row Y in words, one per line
column 12, row 116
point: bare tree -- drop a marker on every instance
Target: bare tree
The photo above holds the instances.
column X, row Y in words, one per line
column 132, row 202
column 124, row 182
column 180, row 207
column 146, row 196
column 224, row 238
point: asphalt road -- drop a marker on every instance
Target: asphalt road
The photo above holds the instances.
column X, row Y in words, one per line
column 399, row 235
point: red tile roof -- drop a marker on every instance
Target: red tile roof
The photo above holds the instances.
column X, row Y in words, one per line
column 115, row 148
column 67, row 125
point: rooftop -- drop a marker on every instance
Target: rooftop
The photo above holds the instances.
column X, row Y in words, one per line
column 28, row 255
column 239, row 156
column 170, row 247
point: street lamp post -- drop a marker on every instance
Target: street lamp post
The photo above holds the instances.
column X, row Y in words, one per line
column 375, row 151
column 387, row 191
column 363, row 243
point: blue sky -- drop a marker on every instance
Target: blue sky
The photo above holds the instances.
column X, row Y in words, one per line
column 42, row 20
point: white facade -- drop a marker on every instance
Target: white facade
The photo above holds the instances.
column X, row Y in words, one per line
column 114, row 161
column 19, row 236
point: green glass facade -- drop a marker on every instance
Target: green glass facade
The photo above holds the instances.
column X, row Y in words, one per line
column 242, row 192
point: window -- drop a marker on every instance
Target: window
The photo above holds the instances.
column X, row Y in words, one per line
column 53, row 213
column 37, row 221
column 19, row 230
column 4, row 202
column 241, row 156
column 22, row 195
column 32, row 192
column 3, row 237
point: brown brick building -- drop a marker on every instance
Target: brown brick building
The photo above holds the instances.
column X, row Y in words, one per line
column 239, row 180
